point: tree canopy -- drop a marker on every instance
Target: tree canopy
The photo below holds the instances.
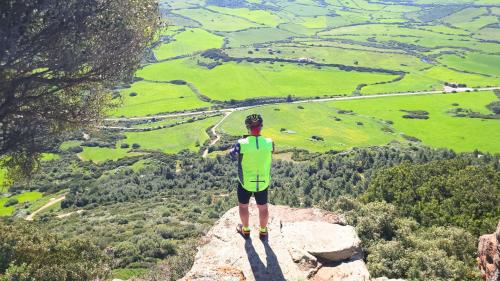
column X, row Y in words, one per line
column 58, row 59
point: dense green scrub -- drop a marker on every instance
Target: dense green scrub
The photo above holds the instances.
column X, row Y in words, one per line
column 152, row 215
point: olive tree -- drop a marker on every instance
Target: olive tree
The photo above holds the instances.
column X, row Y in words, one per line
column 58, row 61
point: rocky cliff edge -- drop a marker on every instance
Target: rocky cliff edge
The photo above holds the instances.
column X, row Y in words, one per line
column 303, row 244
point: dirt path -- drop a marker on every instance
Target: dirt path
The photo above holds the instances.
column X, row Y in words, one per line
column 52, row 201
column 62, row 216
column 229, row 110
column 214, row 132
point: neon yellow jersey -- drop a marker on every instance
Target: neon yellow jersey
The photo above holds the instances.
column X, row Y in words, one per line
column 254, row 169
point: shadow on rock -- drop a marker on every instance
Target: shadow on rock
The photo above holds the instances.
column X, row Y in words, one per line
column 261, row 272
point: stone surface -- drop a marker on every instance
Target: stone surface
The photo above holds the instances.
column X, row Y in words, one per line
column 332, row 242
column 300, row 240
column 489, row 255
column 347, row 271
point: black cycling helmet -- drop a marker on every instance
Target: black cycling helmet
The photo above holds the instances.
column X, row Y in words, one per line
column 254, row 120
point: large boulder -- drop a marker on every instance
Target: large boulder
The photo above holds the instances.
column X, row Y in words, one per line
column 488, row 258
column 303, row 244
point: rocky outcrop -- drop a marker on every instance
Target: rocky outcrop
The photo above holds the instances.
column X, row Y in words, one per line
column 303, row 244
column 489, row 255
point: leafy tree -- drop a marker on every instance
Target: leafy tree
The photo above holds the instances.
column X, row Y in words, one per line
column 29, row 253
column 58, row 59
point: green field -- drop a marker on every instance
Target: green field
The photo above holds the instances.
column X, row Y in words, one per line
column 153, row 98
column 212, row 20
column 440, row 130
column 3, row 174
column 431, row 42
column 188, row 42
column 249, row 80
column 101, row 154
column 23, row 197
column 474, row 62
column 291, row 127
column 175, row 139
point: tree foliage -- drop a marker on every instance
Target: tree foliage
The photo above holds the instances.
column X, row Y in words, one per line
column 58, row 58
column 29, row 253
column 444, row 192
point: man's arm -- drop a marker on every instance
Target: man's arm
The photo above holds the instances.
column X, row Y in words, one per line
column 234, row 152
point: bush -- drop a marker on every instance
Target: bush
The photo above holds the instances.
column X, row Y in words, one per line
column 136, row 146
column 133, row 94
column 75, row 149
column 11, row 202
column 124, row 145
column 49, row 258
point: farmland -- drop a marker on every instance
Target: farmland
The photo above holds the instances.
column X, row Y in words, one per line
column 357, row 123
column 215, row 54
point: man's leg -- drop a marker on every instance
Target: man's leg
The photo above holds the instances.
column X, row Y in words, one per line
column 243, row 199
column 244, row 215
column 261, row 198
column 263, row 215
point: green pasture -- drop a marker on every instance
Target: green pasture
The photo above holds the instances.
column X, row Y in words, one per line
column 172, row 140
column 188, row 42
column 441, row 129
column 472, row 80
column 474, row 62
column 257, row 16
column 212, row 20
column 155, row 98
column 291, row 127
column 412, row 82
column 128, row 273
column 340, row 55
column 3, row 174
column 489, row 34
column 305, row 10
column 478, row 23
column 465, row 15
column 50, row 156
column 257, row 35
column 22, row 198
column 69, row 144
column 102, row 154
column 249, row 80
column 37, row 204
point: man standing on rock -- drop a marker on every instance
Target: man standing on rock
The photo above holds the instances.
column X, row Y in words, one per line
column 254, row 154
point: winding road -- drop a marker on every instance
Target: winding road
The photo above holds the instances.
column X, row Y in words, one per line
column 52, row 201
column 214, row 132
column 194, row 113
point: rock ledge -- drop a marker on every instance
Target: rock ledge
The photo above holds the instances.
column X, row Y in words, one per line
column 303, row 244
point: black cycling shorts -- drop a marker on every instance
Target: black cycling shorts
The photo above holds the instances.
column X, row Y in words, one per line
column 244, row 196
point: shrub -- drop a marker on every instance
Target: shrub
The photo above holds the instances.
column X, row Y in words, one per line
column 76, row 149
column 11, row 202
column 136, row 146
column 133, row 94
column 124, row 145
